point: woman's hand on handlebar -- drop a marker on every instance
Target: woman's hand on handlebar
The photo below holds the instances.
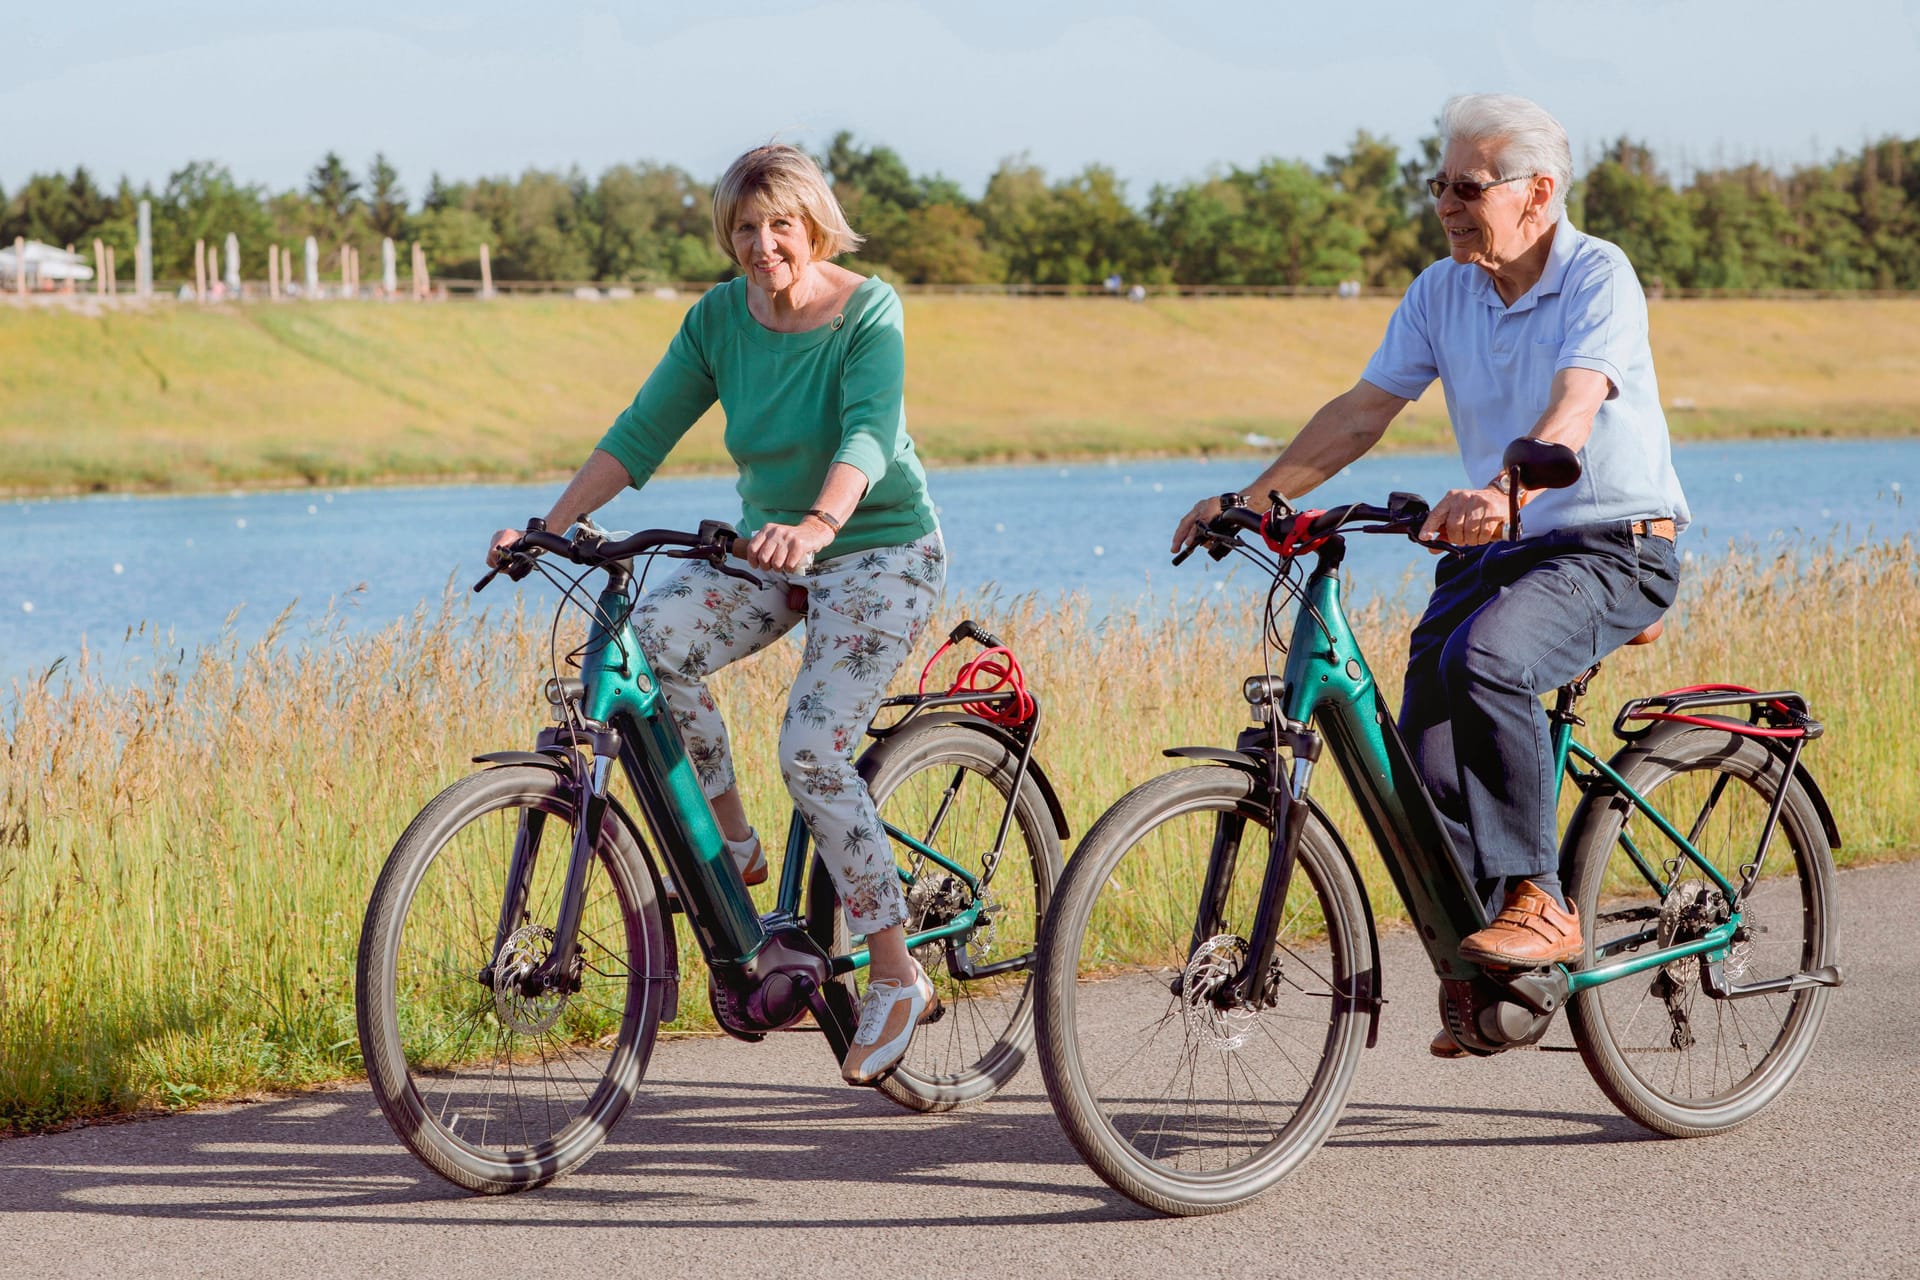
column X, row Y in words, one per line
column 1467, row 518
column 785, row 548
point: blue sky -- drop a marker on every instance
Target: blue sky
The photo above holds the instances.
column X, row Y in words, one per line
column 1161, row 92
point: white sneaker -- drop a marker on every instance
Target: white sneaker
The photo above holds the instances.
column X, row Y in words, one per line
column 887, row 1019
column 748, row 858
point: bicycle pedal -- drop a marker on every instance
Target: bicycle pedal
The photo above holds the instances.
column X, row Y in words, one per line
column 935, row 1011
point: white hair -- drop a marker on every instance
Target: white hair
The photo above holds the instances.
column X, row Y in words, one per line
column 1525, row 137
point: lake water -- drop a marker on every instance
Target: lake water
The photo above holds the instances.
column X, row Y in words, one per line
column 94, row 567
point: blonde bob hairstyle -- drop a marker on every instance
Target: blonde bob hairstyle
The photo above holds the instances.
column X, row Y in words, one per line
column 782, row 179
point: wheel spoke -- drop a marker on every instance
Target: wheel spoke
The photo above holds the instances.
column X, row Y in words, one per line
column 949, row 785
column 1186, row 1093
column 1690, row 1063
column 504, row 1079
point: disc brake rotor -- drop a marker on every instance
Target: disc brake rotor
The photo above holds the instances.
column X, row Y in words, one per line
column 526, row 949
column 1214, row 964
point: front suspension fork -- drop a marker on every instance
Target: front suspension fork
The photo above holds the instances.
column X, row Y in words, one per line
column 1289, row 820
column 559, row 970
column 1287, row 800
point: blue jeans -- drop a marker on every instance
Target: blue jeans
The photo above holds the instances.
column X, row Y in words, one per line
column 1508, row 622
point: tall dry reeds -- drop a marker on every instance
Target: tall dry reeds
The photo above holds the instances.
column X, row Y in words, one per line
column 184, row 861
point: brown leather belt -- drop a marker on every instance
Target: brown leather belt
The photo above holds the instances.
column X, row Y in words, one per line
column 1661, row 528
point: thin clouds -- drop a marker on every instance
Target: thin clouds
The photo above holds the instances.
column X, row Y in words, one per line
column 955, row 89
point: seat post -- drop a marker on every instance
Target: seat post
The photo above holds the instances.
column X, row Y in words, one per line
column 1568, row 695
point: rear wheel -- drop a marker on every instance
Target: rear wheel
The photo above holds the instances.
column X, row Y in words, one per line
column 947, row 786
column 1182, row 1099
column 1667, row 1053
column 494, row 1087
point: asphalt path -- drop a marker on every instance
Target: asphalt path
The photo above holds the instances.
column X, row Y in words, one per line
column 743, row 1160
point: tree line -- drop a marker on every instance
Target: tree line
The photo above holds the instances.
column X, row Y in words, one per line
column 1363, row 214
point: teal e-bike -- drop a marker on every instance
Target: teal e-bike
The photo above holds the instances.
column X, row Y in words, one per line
column 519, row 951
column 1209, row 969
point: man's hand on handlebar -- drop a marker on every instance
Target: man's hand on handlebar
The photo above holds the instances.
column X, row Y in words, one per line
column 1187, row 533
column 1192, row 529
column 497, row 547
column 1466, row 518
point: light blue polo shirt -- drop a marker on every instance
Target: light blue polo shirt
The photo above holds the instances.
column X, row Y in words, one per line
column 1496, row 365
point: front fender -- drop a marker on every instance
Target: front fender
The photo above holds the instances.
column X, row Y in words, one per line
column 1220, row 755
column 557, row 761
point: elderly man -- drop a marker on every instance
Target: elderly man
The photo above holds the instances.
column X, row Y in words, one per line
column 1534, row 329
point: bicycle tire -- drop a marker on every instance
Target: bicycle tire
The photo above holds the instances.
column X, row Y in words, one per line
column 1117, row 941
column 436, row 1038
column 1638, row 1035
column 985, row 1033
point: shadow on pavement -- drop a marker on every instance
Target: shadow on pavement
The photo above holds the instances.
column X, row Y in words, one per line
column 687, row 1154
column 673, row 1161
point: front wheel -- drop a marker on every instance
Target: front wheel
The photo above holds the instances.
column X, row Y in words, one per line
column 494, row 1087
column 1664, row 1050
column 1182, row 1098
column 948, row 786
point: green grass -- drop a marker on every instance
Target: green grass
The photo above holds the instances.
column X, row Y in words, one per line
column 183, row 397
column 183, row 867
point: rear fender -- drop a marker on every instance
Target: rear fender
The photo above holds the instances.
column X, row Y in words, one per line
column 1655, row 737
column 870, row 758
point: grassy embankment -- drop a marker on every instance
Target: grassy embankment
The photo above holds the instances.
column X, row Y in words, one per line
column 186, row 398
column 183, row 869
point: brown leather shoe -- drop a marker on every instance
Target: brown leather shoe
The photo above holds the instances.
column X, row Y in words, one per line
column 1531, row 930
column 1443, row 1045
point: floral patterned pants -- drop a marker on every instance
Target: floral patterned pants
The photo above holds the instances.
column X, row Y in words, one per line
column 864, row 613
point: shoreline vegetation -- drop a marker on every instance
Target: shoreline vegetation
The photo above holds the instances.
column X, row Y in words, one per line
column 197, row 399
column 184, row 865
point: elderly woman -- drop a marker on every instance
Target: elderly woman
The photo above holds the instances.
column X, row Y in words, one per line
column 1534, row 329
column 807, row 361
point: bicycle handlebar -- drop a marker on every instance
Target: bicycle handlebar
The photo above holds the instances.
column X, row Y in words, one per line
column 1292, row 533
column 713, row 542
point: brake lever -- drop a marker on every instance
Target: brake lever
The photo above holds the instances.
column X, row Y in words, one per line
column 716, row 554
column 742, row 574
column 516, row 566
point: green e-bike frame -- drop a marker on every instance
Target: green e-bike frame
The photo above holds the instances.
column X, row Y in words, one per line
column 767, row 968
column 1327, row 698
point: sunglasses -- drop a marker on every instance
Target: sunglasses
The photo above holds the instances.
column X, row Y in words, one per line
column 1468, row 190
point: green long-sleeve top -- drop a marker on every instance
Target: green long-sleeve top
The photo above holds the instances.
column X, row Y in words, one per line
column 795, row 403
